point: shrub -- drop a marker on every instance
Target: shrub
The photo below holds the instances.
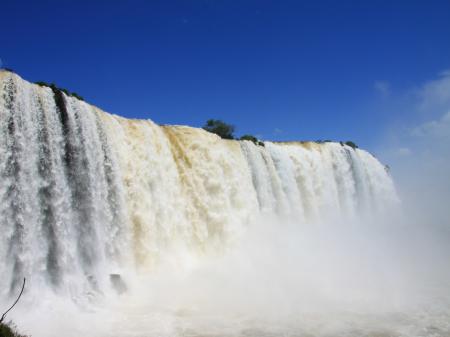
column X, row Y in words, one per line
column 74, row 94
column 252, row 139
column 351, row 144
column 42, row 84
column 9, row 331
column 220, row 128
column 55, row 89
column 65, row 91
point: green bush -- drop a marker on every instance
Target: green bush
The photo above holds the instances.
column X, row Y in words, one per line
column 8, row 330
column 42, row 84
column 351, row 144
column 55, row 88
column 74, row 94
column 252, row 139
column 220, row 128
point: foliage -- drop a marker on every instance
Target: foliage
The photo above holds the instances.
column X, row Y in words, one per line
column 8, row 330
column 252, row 139
column 55, row 88
column 348, row 143
column 220, row 128
column 74, row 94
column 351, row 144
column 42, row 84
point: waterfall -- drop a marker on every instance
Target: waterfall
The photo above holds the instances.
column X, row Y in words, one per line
column 86, row 194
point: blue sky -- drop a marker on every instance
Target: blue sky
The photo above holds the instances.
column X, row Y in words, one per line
column 283, row 70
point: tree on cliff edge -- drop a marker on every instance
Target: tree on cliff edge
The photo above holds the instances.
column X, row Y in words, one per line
column 220, row 128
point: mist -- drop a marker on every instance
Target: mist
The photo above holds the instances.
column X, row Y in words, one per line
column 377, row 277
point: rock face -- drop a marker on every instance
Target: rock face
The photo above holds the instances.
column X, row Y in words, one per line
column 118, row 283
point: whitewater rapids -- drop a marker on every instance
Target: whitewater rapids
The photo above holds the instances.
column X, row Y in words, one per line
column 125, row 227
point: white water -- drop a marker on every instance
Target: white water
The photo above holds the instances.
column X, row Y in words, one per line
column 210, row 236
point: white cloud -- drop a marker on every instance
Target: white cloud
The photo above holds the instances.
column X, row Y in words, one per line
column 434, row 129
column 435, row 95
column 383, row 87
column 419, row 150
column 434, row 102
column 426, row 114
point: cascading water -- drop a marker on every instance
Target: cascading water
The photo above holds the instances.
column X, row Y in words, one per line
column 86, row 195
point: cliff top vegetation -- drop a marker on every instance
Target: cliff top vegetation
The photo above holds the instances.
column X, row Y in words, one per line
column 226, row 131
column 54, row 87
